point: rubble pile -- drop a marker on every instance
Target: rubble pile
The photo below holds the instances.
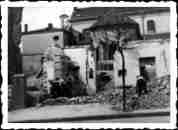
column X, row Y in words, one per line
column 158, row 96
column 105, row 96
column 67, row 101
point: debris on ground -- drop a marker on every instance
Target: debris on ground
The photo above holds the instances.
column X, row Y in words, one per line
column 102, row 79
column 158, row 96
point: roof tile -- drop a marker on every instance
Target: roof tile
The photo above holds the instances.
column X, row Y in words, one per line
column 93, row 12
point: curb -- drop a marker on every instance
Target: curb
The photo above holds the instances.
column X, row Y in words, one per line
column 98, row 117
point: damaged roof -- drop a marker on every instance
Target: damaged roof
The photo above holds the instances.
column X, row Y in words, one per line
column 111, row 19
column 92, row 13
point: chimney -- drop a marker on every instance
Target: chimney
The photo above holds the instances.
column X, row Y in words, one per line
column 50, row 25
column 26, row 28
column 75, row 8
column 62, row 18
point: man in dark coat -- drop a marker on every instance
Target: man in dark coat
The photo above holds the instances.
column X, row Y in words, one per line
column 141, row 85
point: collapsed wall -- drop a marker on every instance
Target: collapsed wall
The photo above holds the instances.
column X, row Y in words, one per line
column 61, row 74
column 153, row 54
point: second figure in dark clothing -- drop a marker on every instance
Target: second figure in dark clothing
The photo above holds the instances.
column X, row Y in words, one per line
column 141, row 86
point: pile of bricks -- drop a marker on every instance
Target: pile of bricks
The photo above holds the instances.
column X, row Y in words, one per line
column 158, row 96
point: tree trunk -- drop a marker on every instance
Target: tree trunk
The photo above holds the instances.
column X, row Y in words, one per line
column 14, row 35
column 123, row 78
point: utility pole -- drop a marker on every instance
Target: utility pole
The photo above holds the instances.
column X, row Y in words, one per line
column 120, row 49
column 123, row 80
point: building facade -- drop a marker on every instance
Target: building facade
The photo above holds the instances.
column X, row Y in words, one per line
column 137, row 55
column 154, row 22
column 34, row 43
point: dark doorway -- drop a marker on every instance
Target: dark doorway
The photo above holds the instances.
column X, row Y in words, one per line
column 147, row 67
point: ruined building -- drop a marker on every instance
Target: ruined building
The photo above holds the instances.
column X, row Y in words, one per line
column 151, row 30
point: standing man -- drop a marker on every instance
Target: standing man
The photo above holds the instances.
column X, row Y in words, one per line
column 146, row 78
column 144, row 73
column 140, row 85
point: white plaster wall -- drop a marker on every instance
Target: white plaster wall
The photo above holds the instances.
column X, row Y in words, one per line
column 154, row 49
column 91, row 81
column 79, row 55
column 38, row 43
column 131, row 64
column 84, row 58
column 162, row 22
column 163, row 60
column 79, row 26
column 139, row 20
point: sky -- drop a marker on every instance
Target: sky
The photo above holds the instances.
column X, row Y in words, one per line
column 37, row 18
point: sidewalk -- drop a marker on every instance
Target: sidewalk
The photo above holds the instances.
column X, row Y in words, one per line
column 69, row 113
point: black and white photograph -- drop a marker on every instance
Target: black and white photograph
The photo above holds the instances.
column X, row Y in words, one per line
column 91, row 63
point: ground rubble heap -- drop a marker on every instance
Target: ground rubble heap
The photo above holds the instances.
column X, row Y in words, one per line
column 158, row 96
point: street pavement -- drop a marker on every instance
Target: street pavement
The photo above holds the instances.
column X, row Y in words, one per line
column 150, row 119
column 86, row 112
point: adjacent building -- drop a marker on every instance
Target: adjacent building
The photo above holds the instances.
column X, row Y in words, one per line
column 151, row 30
column 154, row 22
column 35, row 42
column 154, row 29
column 137, row 55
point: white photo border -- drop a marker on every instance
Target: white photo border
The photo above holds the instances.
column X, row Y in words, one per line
column 4, row 63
